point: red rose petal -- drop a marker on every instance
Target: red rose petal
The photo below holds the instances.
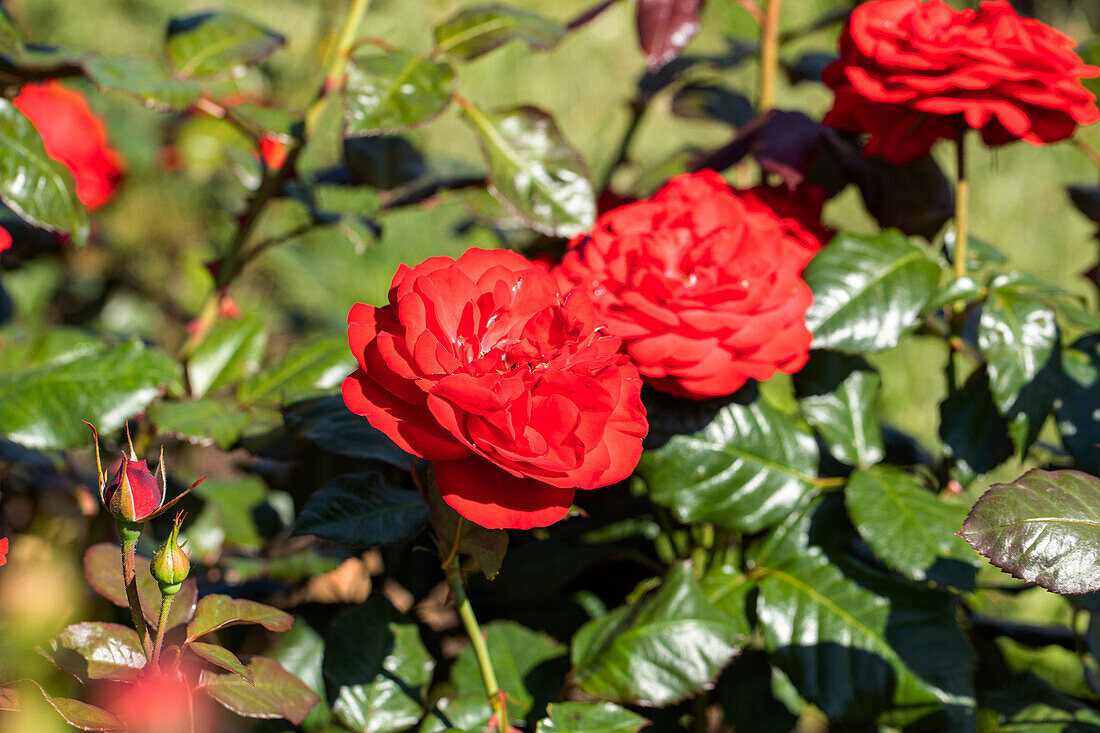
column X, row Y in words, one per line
column 494, row 499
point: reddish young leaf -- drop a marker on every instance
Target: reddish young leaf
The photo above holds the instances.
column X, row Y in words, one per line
column 665, row 27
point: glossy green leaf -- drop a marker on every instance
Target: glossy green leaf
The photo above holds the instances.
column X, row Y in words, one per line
column 147, row 80
column 301, row 651
column 57, row 345
column 35, row 186
column 1079, row 387
column 524, row 663
column 838, row 396
column 363, row 510
column 221, row 657
column 476, row 31
column 304, row 371
column 727, row 589
column 974, row 434
column 533, row 171
column 97, row 651
column 217, row 43
column 907, row 527
column 103, row 571
column 469, row 712
column 659, row 650
column 593, row 717
column 331, row 425
column 78, row 714
column 42, row 407
column 868, row 291
column 229, row 353
column 1043, row 528
column 274, row 693
column 203, row 421
column 744, row 470
column 485, row 546
column 376, row 669
column 217, row 611
column 391, row 92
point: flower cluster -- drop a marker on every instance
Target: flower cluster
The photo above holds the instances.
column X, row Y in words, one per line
column 913, row 72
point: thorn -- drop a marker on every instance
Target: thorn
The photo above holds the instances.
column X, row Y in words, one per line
column 133, row 456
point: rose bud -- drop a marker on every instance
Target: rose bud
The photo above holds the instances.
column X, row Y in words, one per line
column 171, row 565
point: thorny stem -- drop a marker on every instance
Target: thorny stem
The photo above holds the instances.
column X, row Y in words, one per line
column 962, row 205
column 162, row 624
column 129, row 578
column 769, row 56
column 477, row 641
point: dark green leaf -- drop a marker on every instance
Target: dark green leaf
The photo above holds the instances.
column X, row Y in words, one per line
column 594, row 717
column 476, row 31
column 42, row 407
column 363, row 510
column 222, row 657
column 391, row 92
column 744, row 470
column 209, row 420
column 974, row 434
column 218, row 611
column 1078, row 419
column 301, row 652
column 97, row 651
column 229, row 353
column 330, row 424
column 868, row 292
column 1017, row 336
column 485, row 546
column 34, row 185
column 304, row 371
column 383, row 161
column 275, row 693
column 1043, row 528
column 218, row 43
column 147, row 80
column 103, row 571
column 838, row 395
column 745, row 691
column 376, row 669
column 657, row 651
column 712, row 102
column 1027, row 703
column 524, row 662
column 533, row 170
column 908, row 527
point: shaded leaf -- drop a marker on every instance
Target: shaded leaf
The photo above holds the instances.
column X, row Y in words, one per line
column 485, row 546
column 103, row 571
column 217, row 611
column 218, row 43
column 230, row 352
column 594, row 717
column 974, row 434
column 147, row 80
column 383, row 161
column 305, row 370
column 275, row 693
column 868, row 291
column 476, row 31
column 1078, row 420
column 363, row 510
column 808, row 66
column 330, row 424
column 745, row 691
column 838, row 395
column 391, row 92
column 533, row 170
column 208, row 420
column 1044, row 528
column 97, row 651
column 222, row 657
column 665, row 27
column 712, row 102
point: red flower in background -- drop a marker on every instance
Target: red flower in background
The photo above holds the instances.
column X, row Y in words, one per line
column 911, row 73
column 273, row 150
column 3, row 551
column 75, row 137
column 488, row 367
column 704, row 288
column 5, row 239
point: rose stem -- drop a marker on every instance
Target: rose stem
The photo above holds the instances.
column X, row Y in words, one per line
column 769, row 56
column 162, row 624
column 962, row 204
column 477, row 641
column 129, row 532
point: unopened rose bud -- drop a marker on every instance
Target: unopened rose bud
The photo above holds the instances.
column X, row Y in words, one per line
column 171, row 565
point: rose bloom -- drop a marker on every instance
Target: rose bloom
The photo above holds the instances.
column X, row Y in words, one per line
column 911, row 73
column 75, row 137
column 704, row 287
column 5, row 239
column 508, row 381
column 3, row 551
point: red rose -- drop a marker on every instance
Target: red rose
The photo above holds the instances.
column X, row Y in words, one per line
column 3, row 551
column 5, row 239
column 799, row 211
column 911, row 73
column 73, row 136
column 507, row 381
column 705, row 292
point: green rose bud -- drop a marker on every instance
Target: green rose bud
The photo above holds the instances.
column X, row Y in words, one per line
column 171, row 565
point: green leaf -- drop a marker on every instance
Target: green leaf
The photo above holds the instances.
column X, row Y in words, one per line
column 363, row 510
column 97, row 651
column 462, row 713
column 1044, row 528
column 907, row 527
column 594, row 717
column 301, row 652
column 275, row 693
column 868, row 291
column 217, row 611
column 11, row 40
column 35, row 186
column 838, row 395
column 524, row 663
column 533, row 171
column 304, row 371
column 147, row 80
column 234, row 507
column 705, row 101
column 748, row 700
column 477, row 31
column 103, row 571
column 1078, row 419
column 376, row 669
column 974, row 434
column 391, row 92
column 744, row 470
column 222, row 657
column 485, row 546
column 331, row 425
column 1027, row 703
column 218, row 43
column 727, row 589
column 204, row 421
column 658, row 651
column 78, row 714
column 230, row 352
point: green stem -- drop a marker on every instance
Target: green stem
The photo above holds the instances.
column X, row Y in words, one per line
column 162, row 624
column 962, row 206
column 129, row 536
column 637, row 109
column 477, row 641
column 769, row 56
column 699, row 713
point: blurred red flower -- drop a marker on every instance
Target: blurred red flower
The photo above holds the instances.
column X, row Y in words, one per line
column 5, row 239
column 3, row 551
